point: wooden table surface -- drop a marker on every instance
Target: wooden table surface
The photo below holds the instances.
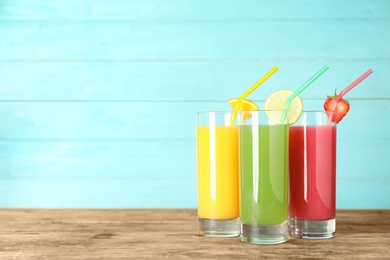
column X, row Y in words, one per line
column 172, row 234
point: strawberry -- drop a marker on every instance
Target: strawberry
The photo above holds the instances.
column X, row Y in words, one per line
column 341, row 109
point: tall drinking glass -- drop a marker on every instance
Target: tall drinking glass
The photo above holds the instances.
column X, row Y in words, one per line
column 263, row 149
column 217, row 158
column 312, row 177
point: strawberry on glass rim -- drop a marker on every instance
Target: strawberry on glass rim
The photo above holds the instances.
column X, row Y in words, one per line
column 341, row 110
column 342, row 107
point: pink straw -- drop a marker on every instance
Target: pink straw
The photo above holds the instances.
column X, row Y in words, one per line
column 345, row 91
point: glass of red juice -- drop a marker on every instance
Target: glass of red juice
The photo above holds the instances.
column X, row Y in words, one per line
column 312, row 176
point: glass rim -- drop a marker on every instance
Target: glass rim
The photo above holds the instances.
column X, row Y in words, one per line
column 315, row 111
column 239, row 111
column 231, row 111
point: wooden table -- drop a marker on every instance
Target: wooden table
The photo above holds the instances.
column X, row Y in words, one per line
column 172, row 234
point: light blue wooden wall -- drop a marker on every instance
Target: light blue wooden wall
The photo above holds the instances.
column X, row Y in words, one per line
column 98, row 97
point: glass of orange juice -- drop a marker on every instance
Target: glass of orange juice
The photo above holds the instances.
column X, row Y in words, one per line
column 218, row 174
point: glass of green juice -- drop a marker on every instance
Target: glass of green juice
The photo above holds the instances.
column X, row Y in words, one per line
column 263, row 184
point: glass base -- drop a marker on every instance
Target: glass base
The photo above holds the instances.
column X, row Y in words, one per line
column 219, row 228
column 312, row 229
column 264, row 234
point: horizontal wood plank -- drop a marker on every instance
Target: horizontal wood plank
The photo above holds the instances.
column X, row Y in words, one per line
column 157, row 140
column 172, row 233
column 108, row 10
column 183, row 81
column 83, row 41
column 150, row 159
column 364, row 192
column 160, row 159
column 164, row 191
column 155, row 120
column 139, row 191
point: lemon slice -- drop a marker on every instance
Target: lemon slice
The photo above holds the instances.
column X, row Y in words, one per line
column 246, row 105
column 277, row 100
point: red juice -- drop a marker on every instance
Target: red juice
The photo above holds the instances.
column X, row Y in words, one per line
column 312, row 166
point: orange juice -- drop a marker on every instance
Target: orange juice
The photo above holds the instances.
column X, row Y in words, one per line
column 217, row 153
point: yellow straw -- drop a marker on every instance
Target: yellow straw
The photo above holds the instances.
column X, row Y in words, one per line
column 255, row 86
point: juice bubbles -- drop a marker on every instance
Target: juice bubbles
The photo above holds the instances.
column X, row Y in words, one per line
column 263, row 179
column 217, row 172
column 312, row 172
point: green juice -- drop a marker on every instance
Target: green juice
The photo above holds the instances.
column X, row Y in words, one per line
column 263, row 174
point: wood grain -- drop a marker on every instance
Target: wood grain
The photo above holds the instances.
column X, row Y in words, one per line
column 172, row 234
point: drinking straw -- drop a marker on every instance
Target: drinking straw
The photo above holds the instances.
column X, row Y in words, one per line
column 298, row 91
column 250, row 90
column 345, row 91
